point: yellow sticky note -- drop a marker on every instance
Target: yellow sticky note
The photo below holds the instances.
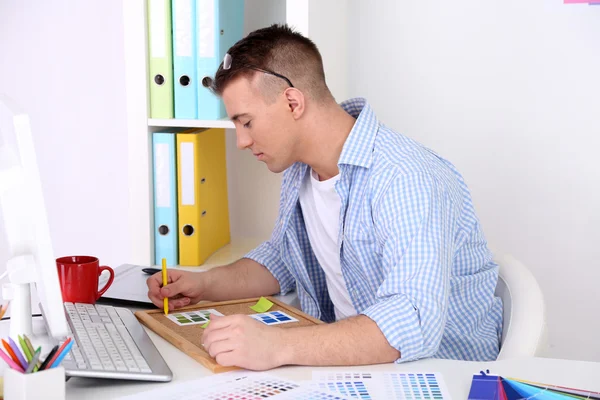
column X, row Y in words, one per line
column 262, row 305
column 205, row 325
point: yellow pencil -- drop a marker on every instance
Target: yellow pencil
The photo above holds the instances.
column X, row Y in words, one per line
column 164, row 276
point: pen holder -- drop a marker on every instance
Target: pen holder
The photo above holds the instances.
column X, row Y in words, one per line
column 46, row 384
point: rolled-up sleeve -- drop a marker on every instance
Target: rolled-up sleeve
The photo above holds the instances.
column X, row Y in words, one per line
column 266, row 254
column 414, row 222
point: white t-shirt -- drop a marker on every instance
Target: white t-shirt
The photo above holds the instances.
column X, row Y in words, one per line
column 321, row 209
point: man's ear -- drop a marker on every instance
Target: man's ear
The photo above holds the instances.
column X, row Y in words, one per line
column 295, row 101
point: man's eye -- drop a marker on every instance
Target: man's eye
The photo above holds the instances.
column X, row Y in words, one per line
column 247, row 124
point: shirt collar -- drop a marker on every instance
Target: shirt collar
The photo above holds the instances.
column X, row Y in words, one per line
column 358, row 148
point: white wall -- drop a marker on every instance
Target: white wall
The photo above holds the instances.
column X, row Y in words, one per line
column 328, row 28
column 63, row 63
column 253, row 189
column 508, row 90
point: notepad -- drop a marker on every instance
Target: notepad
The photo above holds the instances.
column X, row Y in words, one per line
column 262, row 305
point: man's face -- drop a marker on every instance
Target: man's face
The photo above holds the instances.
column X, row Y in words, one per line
column 265, row 129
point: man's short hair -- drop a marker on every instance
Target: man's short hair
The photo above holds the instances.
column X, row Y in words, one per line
column 278, row 49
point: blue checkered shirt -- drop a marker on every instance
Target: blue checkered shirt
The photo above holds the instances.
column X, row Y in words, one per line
column 412, row 251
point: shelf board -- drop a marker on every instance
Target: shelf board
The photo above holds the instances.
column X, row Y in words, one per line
column 191, row 123
column 229, row 253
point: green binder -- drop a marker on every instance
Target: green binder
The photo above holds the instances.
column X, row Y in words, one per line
column 160, row 56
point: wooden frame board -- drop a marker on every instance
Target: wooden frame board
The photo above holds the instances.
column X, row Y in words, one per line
column 189, row 338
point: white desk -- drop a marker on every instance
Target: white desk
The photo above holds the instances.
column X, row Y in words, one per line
column 457, row 374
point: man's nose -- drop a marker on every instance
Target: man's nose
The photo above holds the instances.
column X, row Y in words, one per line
column 243, row 140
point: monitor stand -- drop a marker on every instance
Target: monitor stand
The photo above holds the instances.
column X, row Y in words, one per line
column 21, row 274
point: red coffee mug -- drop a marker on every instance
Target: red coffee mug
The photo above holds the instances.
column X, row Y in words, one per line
column 78, row 276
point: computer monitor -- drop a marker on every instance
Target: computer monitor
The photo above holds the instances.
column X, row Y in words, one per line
column 23, row 220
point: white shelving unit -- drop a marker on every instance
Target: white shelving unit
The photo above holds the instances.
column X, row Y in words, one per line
column 191, row 123
column 253, row 190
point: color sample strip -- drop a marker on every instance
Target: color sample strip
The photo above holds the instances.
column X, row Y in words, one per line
column 353, row 389
column 239, row 385
column 274, row 318
column 413, row 386
column 192, row 317
column 383, row 385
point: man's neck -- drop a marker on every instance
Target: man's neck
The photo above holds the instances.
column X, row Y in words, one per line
column 326, row 133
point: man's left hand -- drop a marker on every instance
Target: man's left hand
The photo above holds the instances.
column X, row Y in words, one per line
column 238, row 340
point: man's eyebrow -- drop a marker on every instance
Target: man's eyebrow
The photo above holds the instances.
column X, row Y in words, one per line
column 237, row 116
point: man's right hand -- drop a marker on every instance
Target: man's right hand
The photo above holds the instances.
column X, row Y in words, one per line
column 184, row 288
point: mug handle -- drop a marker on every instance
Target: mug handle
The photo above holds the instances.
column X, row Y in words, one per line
column 110, row 279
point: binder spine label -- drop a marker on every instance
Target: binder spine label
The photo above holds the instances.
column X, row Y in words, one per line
column 206, row 28
column 158, row 43
column 183, row 34
column 187, row 174
column 163, row 175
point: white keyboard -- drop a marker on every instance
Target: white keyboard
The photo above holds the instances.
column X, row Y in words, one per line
column 111, row 343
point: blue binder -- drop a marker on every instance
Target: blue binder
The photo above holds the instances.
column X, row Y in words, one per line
column 220, row 24
column 184, row 59
column 165, row 198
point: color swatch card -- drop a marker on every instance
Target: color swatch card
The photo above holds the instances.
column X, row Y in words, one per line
column 238, row 385
column 273, row 318
column 485, row 386
column 192, row 317
column 383, row 385
column 260, row 386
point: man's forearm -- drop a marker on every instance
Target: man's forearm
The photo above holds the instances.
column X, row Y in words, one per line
column 242, row 279
column 353, row 341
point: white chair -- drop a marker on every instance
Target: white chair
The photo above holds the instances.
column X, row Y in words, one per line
column 524, row 325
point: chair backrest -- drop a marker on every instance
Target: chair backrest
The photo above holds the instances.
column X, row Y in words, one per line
column 503, row 292
column 524, row 325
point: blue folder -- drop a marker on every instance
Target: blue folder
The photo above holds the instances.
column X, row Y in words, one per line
column 220, row 24
column 184, row 59
column 164, row 170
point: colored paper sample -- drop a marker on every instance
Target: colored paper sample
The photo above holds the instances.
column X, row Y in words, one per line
column 383, row 385
column 192, row 317
column 262, row 305
column 274, row 318
column 493, row 387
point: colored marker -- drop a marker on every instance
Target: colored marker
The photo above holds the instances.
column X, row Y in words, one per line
column 11, row 363
column 47, row 360
column 28, row 343
column 15, row 347
column 165, row 281
column 57, row 353
column 3, row 309
column 38, row 363
column 26, row 351
column 11, row 353
column 33, row 363
column 62, row 355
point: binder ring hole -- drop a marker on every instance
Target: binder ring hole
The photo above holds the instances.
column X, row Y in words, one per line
column 159, row 79
column 202, row 180
column 163, row 230
column 188, row 230
column 184, row 80
column 203, row 213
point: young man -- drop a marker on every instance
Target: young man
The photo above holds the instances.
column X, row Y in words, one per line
column 377, row 234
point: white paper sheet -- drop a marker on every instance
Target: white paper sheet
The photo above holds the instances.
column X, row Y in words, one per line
column 383, row 385
column 244, row 384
